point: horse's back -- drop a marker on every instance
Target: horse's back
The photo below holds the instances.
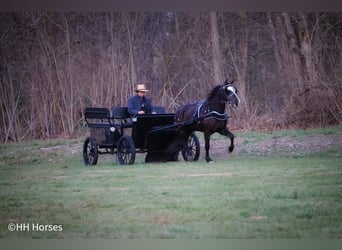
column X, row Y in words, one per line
column 185, row 112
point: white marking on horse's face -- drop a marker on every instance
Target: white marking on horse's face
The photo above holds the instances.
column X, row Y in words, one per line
column 231, row 89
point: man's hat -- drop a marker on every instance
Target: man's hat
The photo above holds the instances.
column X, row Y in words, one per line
column 141, row 87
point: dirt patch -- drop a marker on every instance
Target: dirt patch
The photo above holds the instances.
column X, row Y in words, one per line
column 163, row 220
column 276, row 146
column 60, row 177
column 258, row 217
column 68, row 150
column 191, row 175
column 263, row 144
column 268, row 146
column 111, row 189
column 211, row 174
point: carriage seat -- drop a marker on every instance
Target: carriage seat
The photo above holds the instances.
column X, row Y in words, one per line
column 121, row 113
column 99, row 117
column 159, row 109
column 96, row 113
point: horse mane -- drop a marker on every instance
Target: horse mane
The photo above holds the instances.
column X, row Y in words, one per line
column 213, row 93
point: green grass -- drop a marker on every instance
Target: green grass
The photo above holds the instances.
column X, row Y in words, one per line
column 238, row 197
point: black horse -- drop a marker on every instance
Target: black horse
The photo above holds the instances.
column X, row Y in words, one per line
column 209, row 116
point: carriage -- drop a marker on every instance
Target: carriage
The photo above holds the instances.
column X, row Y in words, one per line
column 162, row 136
column 157, row 135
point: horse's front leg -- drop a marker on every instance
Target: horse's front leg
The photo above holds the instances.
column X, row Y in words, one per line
column 231, row 136
column 207, row 146
column 231, row 147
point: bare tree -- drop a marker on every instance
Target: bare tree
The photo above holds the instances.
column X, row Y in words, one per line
column 53, row 65
column 217, row 55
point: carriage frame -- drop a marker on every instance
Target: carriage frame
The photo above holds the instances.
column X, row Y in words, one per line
column 117, row 133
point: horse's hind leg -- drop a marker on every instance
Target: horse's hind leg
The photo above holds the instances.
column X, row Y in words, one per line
column 207, row 147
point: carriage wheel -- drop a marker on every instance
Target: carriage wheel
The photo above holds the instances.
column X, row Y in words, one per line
column 126, row 150
column 191, row 152
column 90, row 151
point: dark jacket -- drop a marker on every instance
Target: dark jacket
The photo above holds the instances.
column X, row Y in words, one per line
column 137, row 103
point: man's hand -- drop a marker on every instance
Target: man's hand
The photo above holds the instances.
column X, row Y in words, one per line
column 141, row 112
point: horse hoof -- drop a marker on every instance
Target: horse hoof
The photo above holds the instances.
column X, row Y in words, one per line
column 209, row 160
column 231, row 149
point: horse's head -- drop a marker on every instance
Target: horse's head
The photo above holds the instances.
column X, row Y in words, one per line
column 231, row 93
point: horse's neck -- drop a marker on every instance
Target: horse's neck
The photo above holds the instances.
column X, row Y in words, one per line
column 215, row 106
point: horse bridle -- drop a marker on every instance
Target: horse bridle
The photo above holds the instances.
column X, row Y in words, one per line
column 233, row 93
column 232, row 89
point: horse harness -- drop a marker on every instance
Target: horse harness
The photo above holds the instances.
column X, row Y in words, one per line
column 208, row 113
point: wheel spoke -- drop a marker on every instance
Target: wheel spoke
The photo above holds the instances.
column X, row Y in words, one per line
column 126, row 151
column 90, row 153
column 191, row 150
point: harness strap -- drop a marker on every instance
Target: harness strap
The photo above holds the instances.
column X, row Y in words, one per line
column 214, row 114
column 198, row 109
column 211, row 114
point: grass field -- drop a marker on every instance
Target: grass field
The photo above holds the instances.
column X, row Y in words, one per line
column 241, row 195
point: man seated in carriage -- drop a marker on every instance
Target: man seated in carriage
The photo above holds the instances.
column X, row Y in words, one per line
column 139, row 104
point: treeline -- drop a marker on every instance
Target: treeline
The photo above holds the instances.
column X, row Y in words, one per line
column 287, row 66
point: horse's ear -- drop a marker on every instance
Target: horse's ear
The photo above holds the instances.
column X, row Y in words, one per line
column 232, row 81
